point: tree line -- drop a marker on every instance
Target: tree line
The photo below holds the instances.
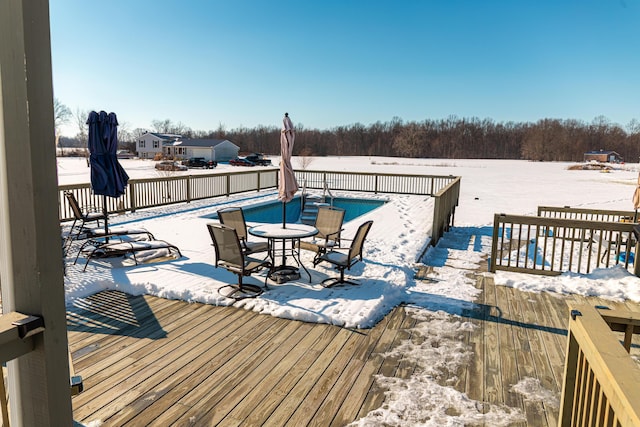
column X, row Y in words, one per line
column 449, row 138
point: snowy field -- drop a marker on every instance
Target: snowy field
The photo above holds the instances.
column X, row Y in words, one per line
column 401, row 228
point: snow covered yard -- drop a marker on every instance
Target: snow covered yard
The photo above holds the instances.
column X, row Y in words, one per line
column 388, row 274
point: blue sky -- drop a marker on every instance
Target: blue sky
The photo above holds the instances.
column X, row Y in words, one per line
column 330, row 63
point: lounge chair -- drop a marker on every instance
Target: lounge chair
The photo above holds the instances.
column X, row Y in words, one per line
column 109, row 250
column 97, row 237
column 329, row 224
column 231, row 256
column 234, row 217
column 82, row 216
column 344, row 261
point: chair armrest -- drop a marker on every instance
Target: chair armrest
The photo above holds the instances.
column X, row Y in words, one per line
column 336, row 234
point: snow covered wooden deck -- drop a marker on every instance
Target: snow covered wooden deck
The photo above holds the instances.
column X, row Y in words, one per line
column 151, row 361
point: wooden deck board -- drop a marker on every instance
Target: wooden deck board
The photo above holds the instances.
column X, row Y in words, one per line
column 149, row 361
column 218, row 369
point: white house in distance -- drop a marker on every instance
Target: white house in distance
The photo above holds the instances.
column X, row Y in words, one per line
column 150, row 144
column 155, row 145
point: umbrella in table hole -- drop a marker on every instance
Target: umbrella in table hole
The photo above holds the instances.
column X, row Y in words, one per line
column 287, row 184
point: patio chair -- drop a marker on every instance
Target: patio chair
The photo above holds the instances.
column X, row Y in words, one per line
column 344, row 261
column 231, row 256
column 329, row 224
column 82, row 216
column 234, row 217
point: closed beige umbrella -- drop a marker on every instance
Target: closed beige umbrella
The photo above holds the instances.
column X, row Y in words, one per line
column 287, row 186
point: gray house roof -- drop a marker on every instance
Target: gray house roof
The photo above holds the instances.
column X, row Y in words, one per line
column 203, row 142
column 602, row 152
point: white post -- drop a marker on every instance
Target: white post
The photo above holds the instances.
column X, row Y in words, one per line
column 31, row 273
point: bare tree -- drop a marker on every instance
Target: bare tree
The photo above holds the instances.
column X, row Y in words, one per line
column 80, row 117
column 61, row 115
column 304, row 158
column 409, row 141
column 161, row 126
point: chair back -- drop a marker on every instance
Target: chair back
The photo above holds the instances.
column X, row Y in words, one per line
column 234, row 218
column 73, row 203
column 329, row 222
column 227, row 246
column 358, row 241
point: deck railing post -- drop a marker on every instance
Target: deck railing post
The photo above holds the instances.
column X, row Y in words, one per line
column 132, row 196
column 30, row 267
column 188, row 188
column 636, row 263
column 568, row 385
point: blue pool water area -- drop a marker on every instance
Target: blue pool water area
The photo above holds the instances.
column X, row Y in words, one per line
column 271, row 213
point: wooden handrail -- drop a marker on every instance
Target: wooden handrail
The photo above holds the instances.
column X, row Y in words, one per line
column 16, row 334
column 551, row 246
column 601, row 382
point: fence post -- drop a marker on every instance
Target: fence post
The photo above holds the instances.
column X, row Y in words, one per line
column 568, row 385
column 258, row 183
column 375, row 190
column 228, row 180
column 636, row 263
column 494, row 242
column 188, row 188
column 132, row 196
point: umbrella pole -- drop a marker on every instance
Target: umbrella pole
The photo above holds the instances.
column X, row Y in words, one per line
column 106, row 218
column 284, row 214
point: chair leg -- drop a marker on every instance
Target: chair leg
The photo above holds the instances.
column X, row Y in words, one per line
column 332, row 281
column 241, row 291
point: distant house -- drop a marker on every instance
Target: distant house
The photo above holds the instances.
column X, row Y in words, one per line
column 219, row 150
column 151, row 144
column 603, row 156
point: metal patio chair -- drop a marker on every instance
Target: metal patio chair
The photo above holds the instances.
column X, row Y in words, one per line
column 82, row 216
column 344, row 261
column 234, row 217
column 329, row 224
column 231, row 256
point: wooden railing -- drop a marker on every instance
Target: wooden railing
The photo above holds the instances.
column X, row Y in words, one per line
column 444, row 209
column 375, row 182
column 601, row 381
column 152, row 192
column 551, row 246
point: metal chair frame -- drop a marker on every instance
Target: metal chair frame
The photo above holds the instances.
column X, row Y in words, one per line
column 344, row 261
column 231, row 256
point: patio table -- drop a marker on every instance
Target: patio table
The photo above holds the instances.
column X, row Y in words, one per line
column 275, row 233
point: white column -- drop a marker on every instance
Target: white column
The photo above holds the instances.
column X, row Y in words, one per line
column 31, row 273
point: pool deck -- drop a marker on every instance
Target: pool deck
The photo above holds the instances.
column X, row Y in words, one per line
column 151, row 361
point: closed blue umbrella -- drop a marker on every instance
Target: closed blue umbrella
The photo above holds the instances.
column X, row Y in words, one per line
column 108, row 177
